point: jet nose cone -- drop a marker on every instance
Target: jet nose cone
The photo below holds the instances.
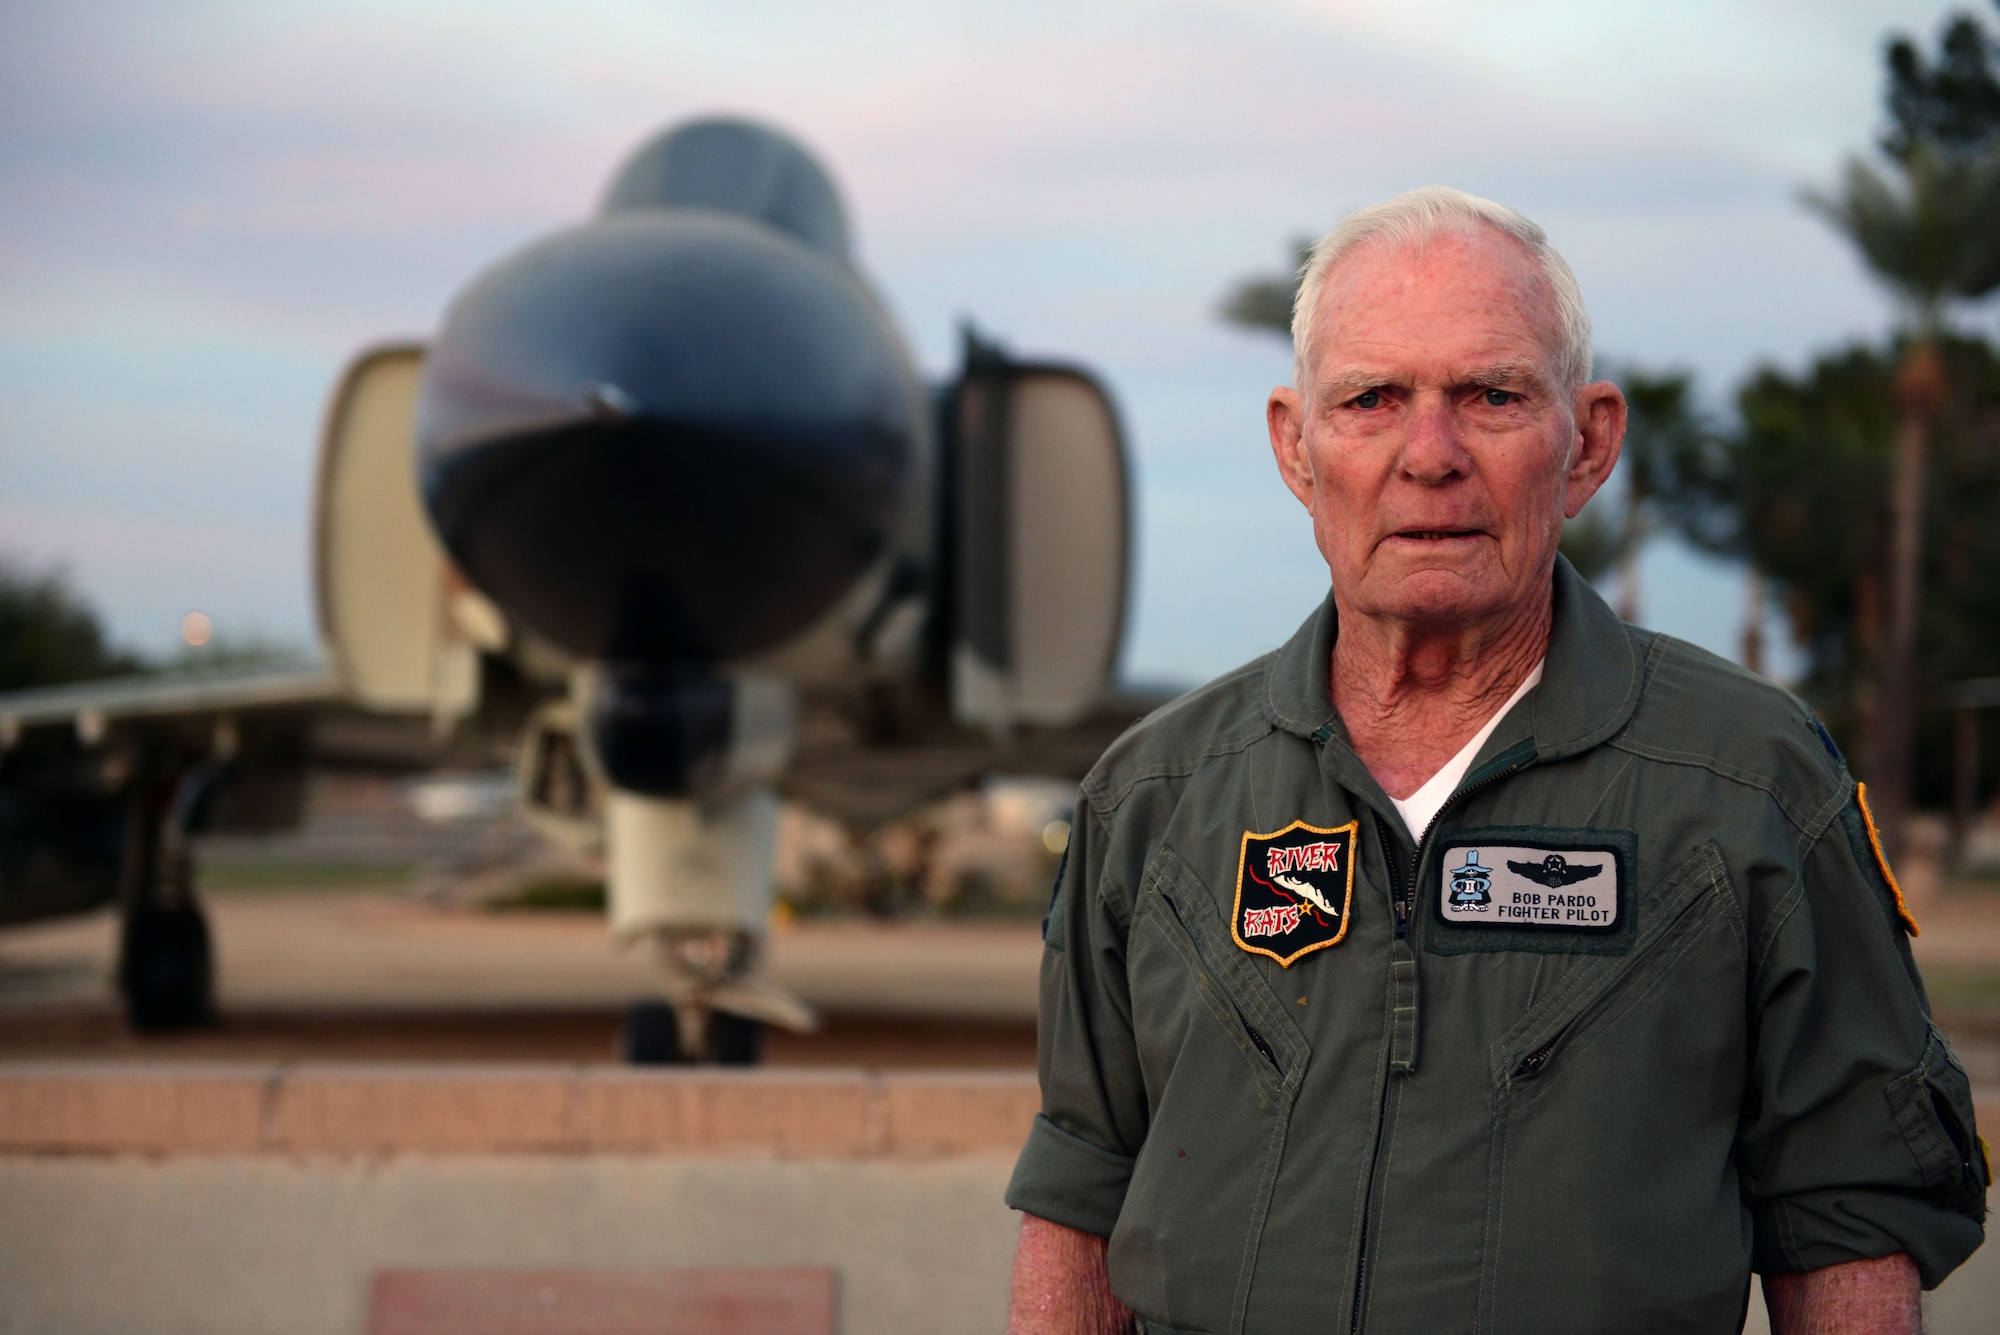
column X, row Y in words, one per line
column 668, row 436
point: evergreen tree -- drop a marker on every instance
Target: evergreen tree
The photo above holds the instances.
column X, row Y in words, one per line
column 48, row 636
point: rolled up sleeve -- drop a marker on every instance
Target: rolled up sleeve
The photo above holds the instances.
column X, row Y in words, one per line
column 1067, row 1180
column 1859, row 1139
column 1078, row 1161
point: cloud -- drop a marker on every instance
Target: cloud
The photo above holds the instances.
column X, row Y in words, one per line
column 210, row 206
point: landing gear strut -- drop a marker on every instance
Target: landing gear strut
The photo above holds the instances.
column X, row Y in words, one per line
column 695, row 879
column 166, row 965
column 166, row 968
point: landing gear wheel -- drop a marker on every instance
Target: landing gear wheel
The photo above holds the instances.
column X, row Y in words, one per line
column 735, row 1041
column 652, row 1035
column 166, row 969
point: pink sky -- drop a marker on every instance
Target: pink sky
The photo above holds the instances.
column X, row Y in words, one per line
column 210, row 206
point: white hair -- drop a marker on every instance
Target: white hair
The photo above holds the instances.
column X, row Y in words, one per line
column 1419, row 216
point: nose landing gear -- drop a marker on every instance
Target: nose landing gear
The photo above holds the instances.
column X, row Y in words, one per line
column 652, row 1037
column 717, row 1004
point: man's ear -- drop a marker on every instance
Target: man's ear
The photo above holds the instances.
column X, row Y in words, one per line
column 1600, row 436
column 1285, row 417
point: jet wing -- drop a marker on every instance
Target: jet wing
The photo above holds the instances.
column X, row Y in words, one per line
column 89, row 706
column 303, row 714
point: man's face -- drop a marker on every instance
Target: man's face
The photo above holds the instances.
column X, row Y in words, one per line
column 1433, row 447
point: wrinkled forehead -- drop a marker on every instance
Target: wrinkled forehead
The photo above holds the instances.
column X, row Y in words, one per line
column 1459, row 290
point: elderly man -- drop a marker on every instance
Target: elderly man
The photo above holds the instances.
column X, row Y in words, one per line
column 1475, row 961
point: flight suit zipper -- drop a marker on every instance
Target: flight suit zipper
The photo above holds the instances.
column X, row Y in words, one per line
column 1406, row 898
column 1536, row 1060
column 1262, row 1046
column 1403, row 1008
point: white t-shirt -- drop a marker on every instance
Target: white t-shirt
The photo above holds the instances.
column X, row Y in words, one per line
column 1420, row 808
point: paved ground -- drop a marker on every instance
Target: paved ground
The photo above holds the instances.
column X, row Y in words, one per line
column 579, row 1036
column 215, row 1246
column 376, row 950
column 374, row 975
column 256, row 1244
column 371, row 975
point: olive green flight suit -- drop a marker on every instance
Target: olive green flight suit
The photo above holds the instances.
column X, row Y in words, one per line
column 1698, row 1048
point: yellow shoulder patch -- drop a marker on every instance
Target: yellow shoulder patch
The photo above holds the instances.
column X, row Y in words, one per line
column 1882, row 861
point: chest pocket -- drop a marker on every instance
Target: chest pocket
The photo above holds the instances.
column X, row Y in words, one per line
column 1174, row 904
column 1186, row 1244
column 1630, row 1065
column 1590, row 994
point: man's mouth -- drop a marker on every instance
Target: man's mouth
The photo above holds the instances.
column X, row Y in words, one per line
column 1435, row 534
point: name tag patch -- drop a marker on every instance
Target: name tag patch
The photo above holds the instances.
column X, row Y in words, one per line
column 1294, row 889
column 1576, row 888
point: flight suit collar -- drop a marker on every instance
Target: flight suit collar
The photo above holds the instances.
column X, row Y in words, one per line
column 1298, row 690
column 1592, row 677
column 1590, row 685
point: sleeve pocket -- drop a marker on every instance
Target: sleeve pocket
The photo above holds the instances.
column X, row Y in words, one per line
column 1932, row 1104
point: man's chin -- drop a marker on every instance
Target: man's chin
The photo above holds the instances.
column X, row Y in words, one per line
column 1437, row 591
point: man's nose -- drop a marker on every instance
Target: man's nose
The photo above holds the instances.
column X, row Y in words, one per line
column 1432, row 452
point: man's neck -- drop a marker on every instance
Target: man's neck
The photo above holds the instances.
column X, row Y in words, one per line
column 1411, row 696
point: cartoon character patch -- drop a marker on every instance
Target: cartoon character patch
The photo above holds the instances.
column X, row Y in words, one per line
column 1293, row 890
column 1471, row 884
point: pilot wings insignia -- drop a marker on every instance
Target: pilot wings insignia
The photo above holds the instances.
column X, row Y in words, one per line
column 1554, row 871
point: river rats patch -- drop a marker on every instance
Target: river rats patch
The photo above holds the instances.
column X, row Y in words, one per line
column 1293, row 890
column 1532, row 888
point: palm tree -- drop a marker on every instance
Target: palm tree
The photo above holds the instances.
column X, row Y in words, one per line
column 1266, row 303
column 1933, row 238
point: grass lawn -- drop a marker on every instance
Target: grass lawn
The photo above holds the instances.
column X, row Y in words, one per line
column 1965, row 991
column 258, row 875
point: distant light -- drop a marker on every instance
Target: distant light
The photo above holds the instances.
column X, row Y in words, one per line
column 1055, row 836
column 461, row 797
column 197, row 630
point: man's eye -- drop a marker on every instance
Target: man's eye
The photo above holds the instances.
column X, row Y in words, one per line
column 1499, row 398
column 1368, row 398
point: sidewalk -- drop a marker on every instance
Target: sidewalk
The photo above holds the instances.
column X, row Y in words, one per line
column 367, row 950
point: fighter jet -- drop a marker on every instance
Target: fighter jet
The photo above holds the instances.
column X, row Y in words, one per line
column 664, row 517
